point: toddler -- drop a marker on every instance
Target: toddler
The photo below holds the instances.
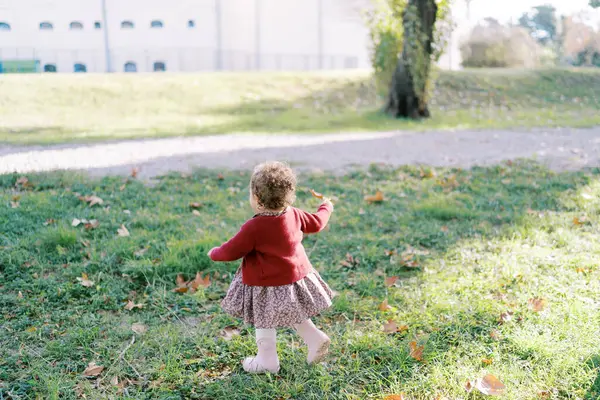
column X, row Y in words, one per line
column 276, row 285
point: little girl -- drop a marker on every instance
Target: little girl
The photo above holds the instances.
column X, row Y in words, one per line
column 276, row 286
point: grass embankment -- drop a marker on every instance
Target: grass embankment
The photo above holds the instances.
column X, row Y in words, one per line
column 498, row 273
column 65, row 108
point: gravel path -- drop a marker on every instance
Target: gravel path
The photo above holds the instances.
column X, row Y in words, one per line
column 561, row 149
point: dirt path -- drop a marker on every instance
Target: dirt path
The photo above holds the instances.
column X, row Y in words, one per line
column 560, row 149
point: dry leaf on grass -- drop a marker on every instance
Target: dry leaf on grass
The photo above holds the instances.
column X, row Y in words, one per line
column 416, row 351
column 395, row 397
column 392, row 327
column 92, row 224
column 85, row 281
column 196, row 213
column 317, row 194
column 490, row 385
column 195, row 205
column 139, row 328
column 376, row 198
column 93, row 370
column 537, row 304
column 220, row 177
column 229, row 332
column 390, row 281
column 579, row 221
column 91, row 200
column 505, row 317
column 134, row 172
column 140, row 252
column 131, row 305
column 122, row 231
column 385, row 306
column 487, row 361
column 200, row 281
column 76, row 222
column 15, row 204
column 495, row 335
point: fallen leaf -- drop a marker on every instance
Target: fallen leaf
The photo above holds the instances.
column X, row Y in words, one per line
column 122, row 231
column 85, row 243
column 395, row 397
column 195, row 205
column 495, row 335
column 180, row 281
column 444, row 229
column 92, row 200
column 416, row 351
column 92, row 224
column 220, row 177
column 427, row 173
column 487, row 361
column 114, row 381
column 134, row 172
column 196, row 213
column 490, row 385
column 385, row 306
column 93, row 370
column 587, row 196
column 31, row 329
column 76, row 222
column 139, row 328
column 392, row 327
column 140, row 252
column 544, row 394
column 377, row 198
column 200, row 281
column 537, row 304
column 469, row 386
column 229, row 332
column 49, row 222
column 23, row 181
column 131, row 305
column 316, row 194
column 506, row 317
column 85, row 281
column 579, row 220
column 390, row 281
column 20, row 295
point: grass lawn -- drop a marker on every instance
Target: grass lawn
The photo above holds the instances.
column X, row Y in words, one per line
column 470, row 248
column 66, row 108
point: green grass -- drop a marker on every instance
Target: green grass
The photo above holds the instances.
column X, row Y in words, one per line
column 485, row 241
column 67, row 108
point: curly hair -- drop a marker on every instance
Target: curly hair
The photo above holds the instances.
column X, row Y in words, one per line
column 274, row 185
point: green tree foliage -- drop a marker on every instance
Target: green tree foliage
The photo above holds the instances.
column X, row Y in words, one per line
column 542, row 23
column 595, row 3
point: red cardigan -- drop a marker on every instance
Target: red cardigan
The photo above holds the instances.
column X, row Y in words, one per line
column 272, row 246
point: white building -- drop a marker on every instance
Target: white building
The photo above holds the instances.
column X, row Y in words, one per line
column 181, row 35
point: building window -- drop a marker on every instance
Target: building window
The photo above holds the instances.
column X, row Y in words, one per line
column 75, row 25
column 49, row 68
column 46, row 26
column 80, row 68
column 97, row 25
column 160, row 66
column 130, row 67
column 4, row 26
column 127, row 25
column 191, row 23
column 156, row 24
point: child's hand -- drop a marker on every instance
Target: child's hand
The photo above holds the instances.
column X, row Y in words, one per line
column 210, row 252
column 328, row 202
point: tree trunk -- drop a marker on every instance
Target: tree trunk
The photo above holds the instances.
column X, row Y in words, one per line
column 404, row 101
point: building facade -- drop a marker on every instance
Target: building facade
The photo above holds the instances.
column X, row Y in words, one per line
column 180, row 35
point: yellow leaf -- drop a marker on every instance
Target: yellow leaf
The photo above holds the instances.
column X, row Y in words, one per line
column 316, row 194
column 31, row 329
column 395, row 397
column 376, row 198
column 487, row 361
column 579, row 220
column 93, row 370
column 416, row 351
column 85, row 281
column 122, row 231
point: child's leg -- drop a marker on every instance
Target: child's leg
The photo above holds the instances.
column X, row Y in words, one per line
column 266, row 359
column 316, row 340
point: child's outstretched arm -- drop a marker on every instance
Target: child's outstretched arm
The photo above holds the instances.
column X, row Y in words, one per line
column 313, row 223
column 236, row 247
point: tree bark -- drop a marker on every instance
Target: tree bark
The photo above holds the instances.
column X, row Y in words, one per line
column 403, row 100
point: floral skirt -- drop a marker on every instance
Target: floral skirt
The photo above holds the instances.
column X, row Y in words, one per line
column 268, row 307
